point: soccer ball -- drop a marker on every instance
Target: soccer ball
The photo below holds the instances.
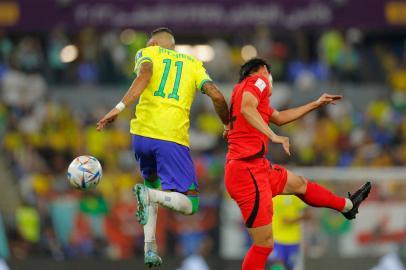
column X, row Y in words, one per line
column 84, row 172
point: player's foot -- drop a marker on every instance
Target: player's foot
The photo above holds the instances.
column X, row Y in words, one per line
column 151, row 259
column 141, row 194
column 357, row 198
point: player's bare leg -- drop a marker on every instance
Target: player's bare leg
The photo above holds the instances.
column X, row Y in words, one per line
column 257, row 255
column 262, row 236
column 318, row 196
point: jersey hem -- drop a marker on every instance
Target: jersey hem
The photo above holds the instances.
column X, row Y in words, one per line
column 288, row 243
column 159, row 138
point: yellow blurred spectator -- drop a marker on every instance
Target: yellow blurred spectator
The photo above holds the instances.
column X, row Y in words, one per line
column 209, row 123
column 28, row 223
column 398, row 80
column 41, row 184
column 331, row 44
column 378, row 110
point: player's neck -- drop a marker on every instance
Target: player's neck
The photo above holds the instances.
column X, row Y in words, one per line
column 168, row 47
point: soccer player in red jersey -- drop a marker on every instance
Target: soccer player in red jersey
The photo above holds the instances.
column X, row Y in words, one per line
column 250, row 179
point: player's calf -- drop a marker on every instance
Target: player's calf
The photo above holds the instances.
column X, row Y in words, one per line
column 318, row 196
column 314, row 194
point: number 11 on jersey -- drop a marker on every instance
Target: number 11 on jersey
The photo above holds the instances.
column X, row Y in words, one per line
column 174, row 93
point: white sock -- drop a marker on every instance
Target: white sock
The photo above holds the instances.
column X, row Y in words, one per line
column 172, row 200
column 348, row 205
column 150, row 228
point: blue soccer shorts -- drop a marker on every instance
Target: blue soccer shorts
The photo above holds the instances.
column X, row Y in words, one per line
column 170, row 161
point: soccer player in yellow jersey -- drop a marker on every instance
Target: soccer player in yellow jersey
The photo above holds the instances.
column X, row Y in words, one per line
column 166, row 84
column 289, row 212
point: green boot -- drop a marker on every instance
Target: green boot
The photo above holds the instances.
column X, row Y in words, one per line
column 141, row 194
column 151, row 259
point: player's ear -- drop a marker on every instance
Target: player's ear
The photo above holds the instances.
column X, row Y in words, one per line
column 152, row 42
column 263, row 71
column 266, row 70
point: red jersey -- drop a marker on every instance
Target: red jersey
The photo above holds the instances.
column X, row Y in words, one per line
column 245, row 141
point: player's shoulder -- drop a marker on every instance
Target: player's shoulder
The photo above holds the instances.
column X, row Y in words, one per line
column 257, row 81
column 192, row 59
column 198, row 62
column 150, row 49
column 146, row 52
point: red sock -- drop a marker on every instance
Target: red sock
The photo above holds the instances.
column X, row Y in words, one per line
column 256, row 258
column 319, row 196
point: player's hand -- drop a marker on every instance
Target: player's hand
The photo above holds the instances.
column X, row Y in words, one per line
column 284, row 141
column 327, row 99
column 107, row 119
column 225, row 133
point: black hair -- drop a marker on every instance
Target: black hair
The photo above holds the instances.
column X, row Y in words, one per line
column 252, row 66
column 162, row 30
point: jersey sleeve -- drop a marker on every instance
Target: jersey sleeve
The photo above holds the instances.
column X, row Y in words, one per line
column 256, row 86
column 201, row 76
column 143, row 55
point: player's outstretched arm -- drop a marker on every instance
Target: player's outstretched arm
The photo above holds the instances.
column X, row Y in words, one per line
column 219, row 102
column 287, row 116
column 133, row 93
column 249, row 110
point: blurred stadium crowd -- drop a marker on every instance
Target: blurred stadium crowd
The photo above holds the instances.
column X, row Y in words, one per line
column 40, row 136
column 97, row 57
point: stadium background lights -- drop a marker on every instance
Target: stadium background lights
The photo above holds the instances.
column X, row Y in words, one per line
column 127, row 36
column 248, row 52
column 69, row 53
column 202, row 52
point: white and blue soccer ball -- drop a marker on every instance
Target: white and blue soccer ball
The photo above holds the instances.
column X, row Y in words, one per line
column 84, row 172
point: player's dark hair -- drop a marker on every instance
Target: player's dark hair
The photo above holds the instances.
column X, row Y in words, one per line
column 252, row 66
column 161, row 30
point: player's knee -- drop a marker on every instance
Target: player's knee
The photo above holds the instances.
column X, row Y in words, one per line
column 265, row 241
column 269, row 242
column 301, row 185
column 153, row 182
column 262, row 237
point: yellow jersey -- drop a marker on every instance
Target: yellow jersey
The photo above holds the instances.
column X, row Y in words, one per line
column 164, row 106
column 287, row 207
